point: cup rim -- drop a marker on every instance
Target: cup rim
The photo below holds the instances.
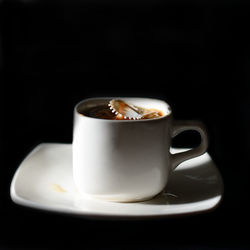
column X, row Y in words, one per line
column 165, row 116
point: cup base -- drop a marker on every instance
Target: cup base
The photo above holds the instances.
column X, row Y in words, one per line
column 119, row 199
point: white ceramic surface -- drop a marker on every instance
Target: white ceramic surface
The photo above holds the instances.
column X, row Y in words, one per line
column 44, row 181
column 126, row 160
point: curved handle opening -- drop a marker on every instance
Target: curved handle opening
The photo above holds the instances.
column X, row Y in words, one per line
column 180, row 126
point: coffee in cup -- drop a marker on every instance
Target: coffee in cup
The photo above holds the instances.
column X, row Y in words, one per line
column 106, row 112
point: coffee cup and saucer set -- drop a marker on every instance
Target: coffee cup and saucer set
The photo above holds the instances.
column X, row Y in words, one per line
column 120, row 165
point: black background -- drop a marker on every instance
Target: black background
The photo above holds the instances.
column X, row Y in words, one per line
column 193, row 54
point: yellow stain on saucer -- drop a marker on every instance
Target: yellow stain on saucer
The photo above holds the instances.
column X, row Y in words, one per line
column 58, row 188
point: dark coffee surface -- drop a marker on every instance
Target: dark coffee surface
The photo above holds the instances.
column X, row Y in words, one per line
column 101, row 112
column 104, row 112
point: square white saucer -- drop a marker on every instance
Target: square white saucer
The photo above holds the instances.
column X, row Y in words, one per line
column 44, row 181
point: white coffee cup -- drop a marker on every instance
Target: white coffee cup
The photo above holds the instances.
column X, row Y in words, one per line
column 127, row 160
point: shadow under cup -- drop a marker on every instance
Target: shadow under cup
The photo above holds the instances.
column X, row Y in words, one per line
column 121, row 160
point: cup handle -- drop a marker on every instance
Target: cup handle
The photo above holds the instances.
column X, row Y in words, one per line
column 180, row 126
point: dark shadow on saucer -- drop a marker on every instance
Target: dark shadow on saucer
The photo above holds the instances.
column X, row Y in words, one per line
column 190, row 185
